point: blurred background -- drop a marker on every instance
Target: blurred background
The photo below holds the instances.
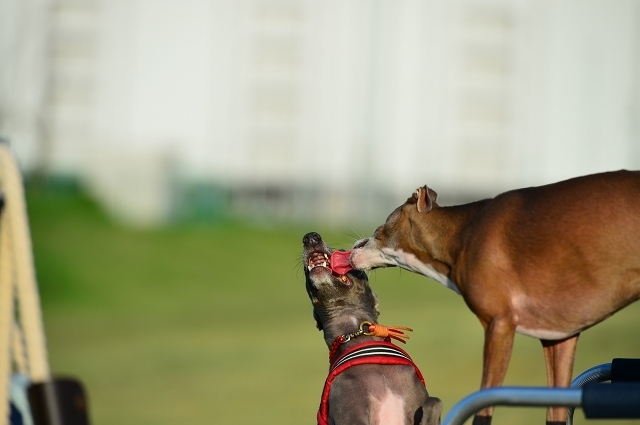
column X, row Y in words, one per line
column 175, row 153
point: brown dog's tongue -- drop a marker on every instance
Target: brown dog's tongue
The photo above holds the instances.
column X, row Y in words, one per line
column 340, row 262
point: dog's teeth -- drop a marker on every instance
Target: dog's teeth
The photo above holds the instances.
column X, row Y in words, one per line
column 325, row 256
column 324, row 264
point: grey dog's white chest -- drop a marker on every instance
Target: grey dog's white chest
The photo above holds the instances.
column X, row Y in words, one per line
column 388, row 409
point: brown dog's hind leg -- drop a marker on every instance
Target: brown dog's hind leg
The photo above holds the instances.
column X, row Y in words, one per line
column 559, row 357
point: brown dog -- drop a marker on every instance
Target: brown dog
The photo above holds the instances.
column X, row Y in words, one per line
column 547, row 262
column 371, row 381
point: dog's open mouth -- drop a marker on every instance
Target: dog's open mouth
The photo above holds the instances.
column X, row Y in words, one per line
column 318, row 259
column 323, row 260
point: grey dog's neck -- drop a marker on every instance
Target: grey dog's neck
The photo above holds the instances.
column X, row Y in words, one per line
column 346, row 322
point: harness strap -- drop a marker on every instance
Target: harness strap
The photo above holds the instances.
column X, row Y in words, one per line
column 371, row 352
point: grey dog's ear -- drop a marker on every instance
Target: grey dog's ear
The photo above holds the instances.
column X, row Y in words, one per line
column 431, row 411
column 318, row 323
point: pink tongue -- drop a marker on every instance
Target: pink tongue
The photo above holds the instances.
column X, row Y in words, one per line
column 340, row 262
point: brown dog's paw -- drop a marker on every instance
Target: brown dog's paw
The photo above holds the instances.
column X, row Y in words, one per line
column 481, row 420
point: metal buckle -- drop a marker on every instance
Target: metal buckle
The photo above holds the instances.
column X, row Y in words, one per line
column 362, row 328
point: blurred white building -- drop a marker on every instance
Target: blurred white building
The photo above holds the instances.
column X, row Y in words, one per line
column 336, row 109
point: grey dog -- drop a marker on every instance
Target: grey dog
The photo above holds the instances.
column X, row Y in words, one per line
column 371, row 381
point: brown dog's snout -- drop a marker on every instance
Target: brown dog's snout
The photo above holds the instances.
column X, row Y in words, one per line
column 311, row 238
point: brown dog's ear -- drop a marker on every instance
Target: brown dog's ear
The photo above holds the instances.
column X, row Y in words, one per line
column 426, row 197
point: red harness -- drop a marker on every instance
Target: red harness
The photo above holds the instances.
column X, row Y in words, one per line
column 371, row 352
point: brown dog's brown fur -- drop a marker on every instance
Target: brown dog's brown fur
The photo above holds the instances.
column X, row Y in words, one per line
column 548, row 262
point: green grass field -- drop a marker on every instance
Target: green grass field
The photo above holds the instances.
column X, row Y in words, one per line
column 211, row 324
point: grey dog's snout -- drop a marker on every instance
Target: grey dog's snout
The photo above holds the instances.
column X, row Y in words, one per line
column 311, row 238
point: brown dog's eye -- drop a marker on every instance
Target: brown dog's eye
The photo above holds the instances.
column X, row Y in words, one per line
column 360, row 243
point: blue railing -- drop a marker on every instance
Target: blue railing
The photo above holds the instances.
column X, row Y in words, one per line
column 619, row 399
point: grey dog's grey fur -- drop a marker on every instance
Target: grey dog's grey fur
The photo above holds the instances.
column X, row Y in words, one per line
column 338, row 308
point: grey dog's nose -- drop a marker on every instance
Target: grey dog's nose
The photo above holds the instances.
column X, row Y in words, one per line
column 311, row 238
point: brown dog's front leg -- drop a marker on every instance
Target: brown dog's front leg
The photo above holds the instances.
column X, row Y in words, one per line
column 559, row 357
column 498, row 343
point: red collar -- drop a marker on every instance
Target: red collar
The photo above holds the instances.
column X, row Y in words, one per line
column 370, row 352
column 369, row 328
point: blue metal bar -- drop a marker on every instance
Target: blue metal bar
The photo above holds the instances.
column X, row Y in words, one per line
column 512, row 396
column 598, row 373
